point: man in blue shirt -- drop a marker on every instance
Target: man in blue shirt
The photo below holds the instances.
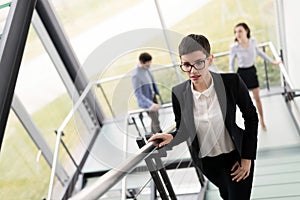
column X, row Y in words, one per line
column 145, row 90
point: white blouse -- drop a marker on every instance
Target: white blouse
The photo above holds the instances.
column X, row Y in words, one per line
column 245, row 56
column 213, row 136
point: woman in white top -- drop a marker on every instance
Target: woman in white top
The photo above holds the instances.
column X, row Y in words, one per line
column 244, row 49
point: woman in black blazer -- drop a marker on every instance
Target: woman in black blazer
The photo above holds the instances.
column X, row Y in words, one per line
column 205, row 116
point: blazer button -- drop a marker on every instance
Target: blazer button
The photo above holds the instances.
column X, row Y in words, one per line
column 233, row 138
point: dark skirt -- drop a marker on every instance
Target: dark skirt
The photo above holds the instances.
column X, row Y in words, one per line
column 249, row 76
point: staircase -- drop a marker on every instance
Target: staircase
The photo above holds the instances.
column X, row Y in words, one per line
column 276, row 176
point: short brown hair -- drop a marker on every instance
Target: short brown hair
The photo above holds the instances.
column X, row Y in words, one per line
column 145, row 57
column 193, row 43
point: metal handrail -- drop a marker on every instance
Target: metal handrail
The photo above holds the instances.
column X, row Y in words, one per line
column 289, row 89
column 168, row 66
column 137, row 111
column 108, row 180
column 281, row 66
column 105, row 80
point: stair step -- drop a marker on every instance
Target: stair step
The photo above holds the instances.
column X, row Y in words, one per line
column 275, row 191
column 277, row 169
column 280, row 191
column 274, row 179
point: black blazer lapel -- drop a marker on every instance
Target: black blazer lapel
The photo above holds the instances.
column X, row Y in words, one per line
column 221, row 93
column 188, row 113
column 188, row 116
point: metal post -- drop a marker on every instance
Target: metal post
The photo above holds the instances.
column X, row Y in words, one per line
column 286, row 87
column 284, row 83
column 68, row 152
column 134, row 122
column 153, row 194
column 153, row 171
column 266, row 70
column 165, row 178
column 200, row 176
column 156, row 178
column 125, row 150
column 141, row 116
column 173, row 59
column 124, row 188
column 11, row 52
column 106, row 100
column 67, row 54
column 54, row 165
column 69, row 189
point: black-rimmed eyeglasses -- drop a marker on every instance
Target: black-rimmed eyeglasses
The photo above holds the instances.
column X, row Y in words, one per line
column 198, row 65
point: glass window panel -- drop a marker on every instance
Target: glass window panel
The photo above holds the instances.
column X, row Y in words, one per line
column 216, row 20
column 41, row 90
column 22, row 169
column 4, row 9
column 90, row 23
column 197, row 16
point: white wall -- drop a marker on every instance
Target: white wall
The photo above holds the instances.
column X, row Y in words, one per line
column 292, row 32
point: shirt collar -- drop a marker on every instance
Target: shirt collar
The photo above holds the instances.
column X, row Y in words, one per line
column 206, row 92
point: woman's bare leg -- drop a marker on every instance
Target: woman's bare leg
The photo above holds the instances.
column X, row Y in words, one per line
column 256, row 96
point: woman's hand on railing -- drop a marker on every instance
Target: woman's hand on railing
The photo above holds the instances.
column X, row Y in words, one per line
column 161, row 139
column 274, row 62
